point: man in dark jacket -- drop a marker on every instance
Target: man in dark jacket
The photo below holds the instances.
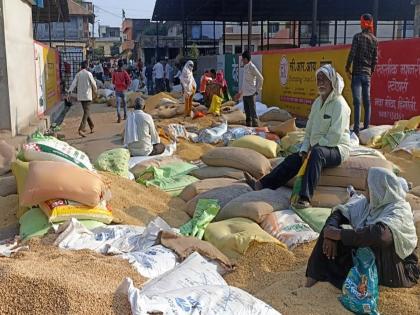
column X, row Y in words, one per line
column 364, row 57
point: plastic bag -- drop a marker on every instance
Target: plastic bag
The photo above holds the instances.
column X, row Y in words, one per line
column 205, row 212
column 360, row 290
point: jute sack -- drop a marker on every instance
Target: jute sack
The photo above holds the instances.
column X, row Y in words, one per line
column 201, row 186
column 68, row 182
column 7, row 156
column 353, row 172
column 276, row 114
column 234, row 236
column 415, row 191
column 329, row 197
column 221, row 194
column 414, row 201
column 235, row 117
column 282, row 129
column 266, row 147
column 255, row 205
column 207, row 172
column 167, row 112
column 240, row 158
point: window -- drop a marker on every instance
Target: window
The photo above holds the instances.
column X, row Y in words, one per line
column 274, row 27
column 229, row 49
column 238, row 49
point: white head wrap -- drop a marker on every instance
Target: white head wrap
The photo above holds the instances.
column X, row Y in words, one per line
column 335, row 78
column 387, row 205
column 187, row 78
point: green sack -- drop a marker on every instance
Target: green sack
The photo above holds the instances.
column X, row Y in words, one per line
column 171, row 178
column 314, row 217
column 205, row 211
column 33, row 223
column 114, row 161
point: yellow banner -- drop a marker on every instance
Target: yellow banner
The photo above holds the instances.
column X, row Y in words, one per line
column 289, row 77
column 52, row 78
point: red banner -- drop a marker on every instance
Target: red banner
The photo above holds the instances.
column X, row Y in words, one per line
column 395, row 92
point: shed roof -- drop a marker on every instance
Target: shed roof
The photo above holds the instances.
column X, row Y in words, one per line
column 279, row 10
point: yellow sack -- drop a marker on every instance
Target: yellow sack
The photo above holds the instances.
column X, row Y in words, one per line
column 216, row 105
column 20, row 170
column 291, row 139
column 266, row 147
column 59, row 210
column 233, row 237
column 413, row 123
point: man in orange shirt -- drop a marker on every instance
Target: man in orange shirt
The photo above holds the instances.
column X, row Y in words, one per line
column 121, row 81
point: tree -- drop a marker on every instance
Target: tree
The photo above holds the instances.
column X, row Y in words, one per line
column 115, row 49
column 194, row 52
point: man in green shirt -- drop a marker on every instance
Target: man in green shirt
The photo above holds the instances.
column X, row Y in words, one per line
column 326, row 143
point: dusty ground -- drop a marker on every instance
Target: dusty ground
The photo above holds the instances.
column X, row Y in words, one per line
column 47, row 280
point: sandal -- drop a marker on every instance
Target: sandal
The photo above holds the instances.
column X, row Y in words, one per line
column 302, row 204
column 81, row 133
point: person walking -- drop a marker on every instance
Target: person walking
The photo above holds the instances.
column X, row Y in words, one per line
column 149, row 78
column 251, row 86
column 168, row 76
column 86, row 87
column 189, row 86
column 364, row 57
column 159, row 74
column 121, row 81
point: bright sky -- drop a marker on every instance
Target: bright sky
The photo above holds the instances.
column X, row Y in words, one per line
column 109, row 12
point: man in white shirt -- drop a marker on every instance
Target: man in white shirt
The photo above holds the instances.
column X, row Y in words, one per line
column 159, row 74
column 168, row 75
column 86, row 87
column 145, row 140
column 251, row 86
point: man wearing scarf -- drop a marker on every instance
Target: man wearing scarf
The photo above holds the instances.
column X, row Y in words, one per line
column 364, row 57
column 326, row 142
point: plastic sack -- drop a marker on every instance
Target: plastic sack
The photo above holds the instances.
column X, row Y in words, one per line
column 212, row 135
column 206, row 210
column 288, row 228
column 60, row 210
column 152, row 262
column 209, row 299
column 43, row 148
column 112, row 239
column 410, row 144
column 360, row 290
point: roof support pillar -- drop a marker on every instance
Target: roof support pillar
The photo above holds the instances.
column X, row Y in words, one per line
column 224, row 37
column 262, row 35
column 214, row 38
column 249, row 24
column 375, row 14
column 314, row 22
column 242, row 36
column 268, row 35
column 157, row 41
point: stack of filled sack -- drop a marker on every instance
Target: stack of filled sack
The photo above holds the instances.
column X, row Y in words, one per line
column 55, row 183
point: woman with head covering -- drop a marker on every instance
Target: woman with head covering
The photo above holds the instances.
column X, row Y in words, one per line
column 220, row 80
column 189, row 86
column 383, row 221
column 326, row 142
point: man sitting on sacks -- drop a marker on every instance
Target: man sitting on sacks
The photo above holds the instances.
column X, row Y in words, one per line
column 140, row 132
column 326, row 143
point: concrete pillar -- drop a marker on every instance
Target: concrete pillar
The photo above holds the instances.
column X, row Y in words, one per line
column 417, row 18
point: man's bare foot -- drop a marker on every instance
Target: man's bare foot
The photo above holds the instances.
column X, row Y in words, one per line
column 310, row 282
column 252, row 182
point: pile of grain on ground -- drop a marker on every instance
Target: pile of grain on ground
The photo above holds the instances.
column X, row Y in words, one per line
column 277, row 277
column 152, row 101
column 255, row 270
column 48, row 280
column 135, row 204
column 189, row 151
column 199, row 123
column 8, row 209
